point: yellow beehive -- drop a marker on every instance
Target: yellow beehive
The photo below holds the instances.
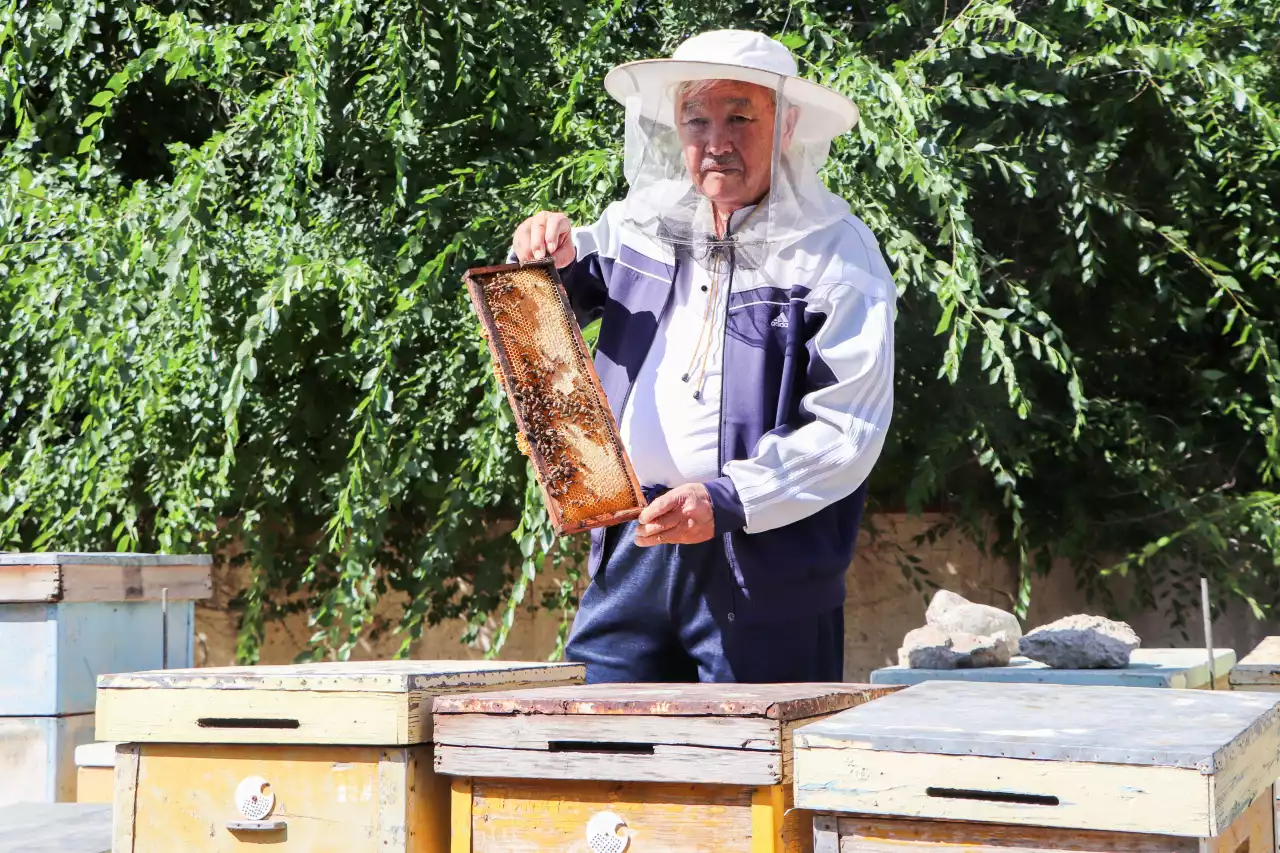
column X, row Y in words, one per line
column 320, row 758
column 688, row 768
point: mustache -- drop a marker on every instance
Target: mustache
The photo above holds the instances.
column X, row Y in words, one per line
column 722, row 161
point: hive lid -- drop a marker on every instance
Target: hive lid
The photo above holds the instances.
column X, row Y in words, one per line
column 383, row 703
column 1176, row 668
column 1052, row 722
column 1260, row 668
column 772, row 701
column 626, row 732
column 1173, row 762
column 69, row 577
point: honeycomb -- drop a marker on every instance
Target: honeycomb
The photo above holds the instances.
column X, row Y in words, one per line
column 566, row 426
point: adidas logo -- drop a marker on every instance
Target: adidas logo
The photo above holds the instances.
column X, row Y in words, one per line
column 781, row 322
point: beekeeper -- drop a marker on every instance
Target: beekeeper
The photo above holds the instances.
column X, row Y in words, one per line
column 746, row 349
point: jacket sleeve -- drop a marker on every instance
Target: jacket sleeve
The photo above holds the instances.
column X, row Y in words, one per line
column 796, row 471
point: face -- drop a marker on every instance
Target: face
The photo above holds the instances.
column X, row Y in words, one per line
column 726, row 133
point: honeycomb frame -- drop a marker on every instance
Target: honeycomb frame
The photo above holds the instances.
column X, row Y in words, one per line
column 566, row 427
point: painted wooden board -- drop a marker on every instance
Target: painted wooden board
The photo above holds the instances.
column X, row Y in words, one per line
column 521, row 816
column 1173, row 668
column 103, row 577
column 55, row 828
column 1260, row 668
column 706, row 733
column 331, row 799
column 771, row 701
column 54, row 653
column 1254, row 832
column 95, row 784
column 1182, row 762
column 353, row 703
column 37, row 757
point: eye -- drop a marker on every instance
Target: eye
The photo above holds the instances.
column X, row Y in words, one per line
column 695, row 122
column 740, row 120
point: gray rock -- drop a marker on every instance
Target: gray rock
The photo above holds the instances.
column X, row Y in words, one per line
column 928, row 648
column 1081, row 642
column 931, row 648
column 982, row 651
column 955, row 614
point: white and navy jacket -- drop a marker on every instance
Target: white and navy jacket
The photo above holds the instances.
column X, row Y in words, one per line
column 807, row 394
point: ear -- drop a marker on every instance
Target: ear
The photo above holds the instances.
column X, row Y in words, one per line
column 789, row 122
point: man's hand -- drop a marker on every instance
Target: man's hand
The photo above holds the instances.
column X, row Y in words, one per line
column 545, row 233
column 681, row 516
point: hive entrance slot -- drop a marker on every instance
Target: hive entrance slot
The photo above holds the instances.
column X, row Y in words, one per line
column 601, row 746
column 245, row 723
column 991, row 796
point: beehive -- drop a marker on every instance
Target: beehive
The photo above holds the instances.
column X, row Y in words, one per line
column 1040, row 767
column 315, row 758
column 676, row 768
column 566, row 426
column 1260, row 669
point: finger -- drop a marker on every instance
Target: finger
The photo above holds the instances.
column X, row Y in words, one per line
column 661, row 505
column 558, row 231
column 661, row 524
column 521, row 242
column 538, row 236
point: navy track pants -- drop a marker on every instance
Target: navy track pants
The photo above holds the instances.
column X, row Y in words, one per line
column 666, row 614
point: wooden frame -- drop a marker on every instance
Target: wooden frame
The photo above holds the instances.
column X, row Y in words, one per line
column 475, row 291
column 1260, row 669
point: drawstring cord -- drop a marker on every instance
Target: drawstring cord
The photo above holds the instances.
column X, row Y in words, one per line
column 712, row 299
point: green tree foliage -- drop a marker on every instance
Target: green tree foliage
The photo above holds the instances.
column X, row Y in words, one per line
column 231, row 236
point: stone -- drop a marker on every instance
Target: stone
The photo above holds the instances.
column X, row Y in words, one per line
column 928, row 648
column 982, row 651
column 955, row 614
column 1081, row 642
column 932, row 648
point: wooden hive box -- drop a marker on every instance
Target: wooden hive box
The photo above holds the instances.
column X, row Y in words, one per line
column 65, row 619
column 37, row 757
column 318, row 758
column 1260, row 669
column 95, row 772
column 1043, row 767
column 688, row 768
column 1185, row 669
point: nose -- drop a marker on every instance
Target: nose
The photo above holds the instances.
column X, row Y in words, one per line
column 719, row 141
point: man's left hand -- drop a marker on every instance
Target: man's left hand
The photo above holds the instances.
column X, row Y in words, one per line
column 681, row 516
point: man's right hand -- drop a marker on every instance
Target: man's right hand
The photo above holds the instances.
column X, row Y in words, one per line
column 545, row 233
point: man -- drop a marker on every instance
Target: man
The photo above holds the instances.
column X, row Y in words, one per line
column 746, row 349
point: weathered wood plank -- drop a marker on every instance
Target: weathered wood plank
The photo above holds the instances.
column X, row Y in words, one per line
column 772, row 701
column 429, row 805
column 1241, row 769
column 397, row 676
column 98, row 582
column 71, row 558
column 512, row 816
column 383, row 703
column 666, row 763
column 125, row 801
column 55, row 828
column 767, row 813
column 826, row 837
column 1109, row 797
column 1115, row 725
column 1253, row 832
column 1178, row 669
column 331, row 799
column 257, row 716
column 539, row 731
column 30, row 583
column 871, row 835
column 460, row 816
column 1259, row 667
